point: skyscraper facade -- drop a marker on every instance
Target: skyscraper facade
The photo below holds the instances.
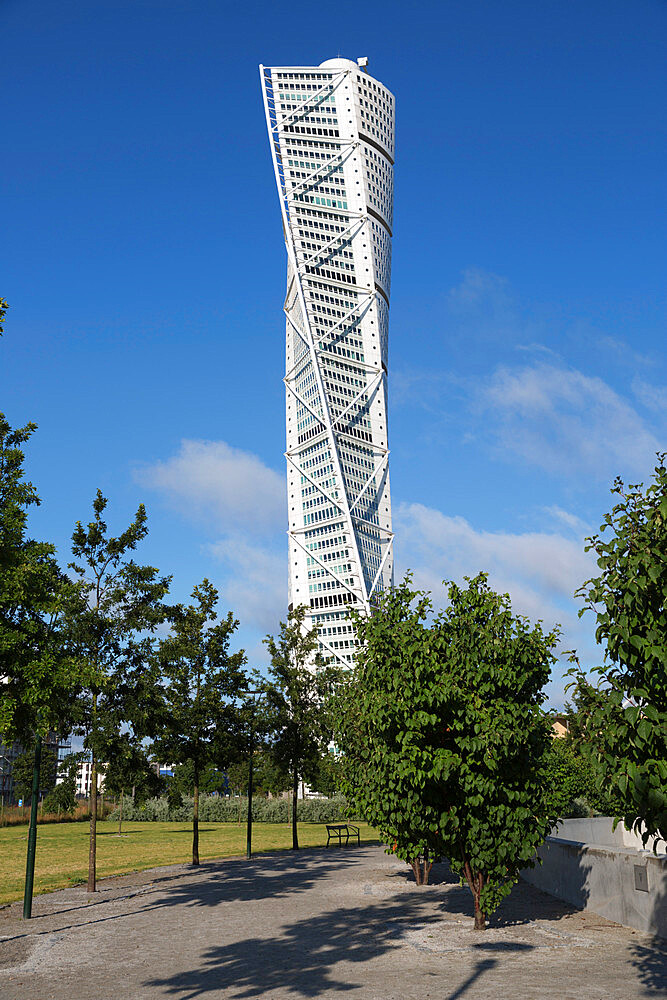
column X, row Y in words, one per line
column 331, row 132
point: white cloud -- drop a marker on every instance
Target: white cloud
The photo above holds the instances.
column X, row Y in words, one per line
column 481, row 289
column 256, row 582
column 653, row 397
column 566, row 422
column 542, row 566
column 241, row 501
column 570, row 520
column 539, row 570
column 229, row 487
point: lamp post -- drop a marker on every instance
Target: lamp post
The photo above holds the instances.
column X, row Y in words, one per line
column 32, row 832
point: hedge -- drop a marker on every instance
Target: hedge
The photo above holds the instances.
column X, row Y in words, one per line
column 213, row 808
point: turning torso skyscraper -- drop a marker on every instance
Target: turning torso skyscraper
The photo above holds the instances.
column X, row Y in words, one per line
column 331, row 131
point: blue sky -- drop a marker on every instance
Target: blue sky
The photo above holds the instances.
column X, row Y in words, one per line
column 143, row 260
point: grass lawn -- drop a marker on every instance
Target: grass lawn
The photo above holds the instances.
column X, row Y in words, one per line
column 62, row 848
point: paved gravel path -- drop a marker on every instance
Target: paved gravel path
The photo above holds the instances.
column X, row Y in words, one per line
column 316, row 924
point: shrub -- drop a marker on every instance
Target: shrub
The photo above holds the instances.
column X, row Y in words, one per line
column 214, row 809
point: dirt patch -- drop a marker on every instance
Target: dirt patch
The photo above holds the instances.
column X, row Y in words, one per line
column 16, row 951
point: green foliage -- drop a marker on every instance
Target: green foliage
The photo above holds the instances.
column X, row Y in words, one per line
column 328, row 778
column 41, row 673
column 444, row 742
column 202, row 680
column 625, row 709
column 119, row 606
column 112, row 618
column 571, row 779
column 62, row 798
column 4, row 306
column 22, row 771
column 296, row 695
column 198, row 721
column 211, row 779
column 129, row 771
column 174, row 795
column 268, row 775
column 217, row 809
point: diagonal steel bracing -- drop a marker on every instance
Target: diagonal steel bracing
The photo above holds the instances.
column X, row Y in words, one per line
column 285, row 200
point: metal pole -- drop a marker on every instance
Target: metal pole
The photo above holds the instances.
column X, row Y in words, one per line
column 248, row 852
column 32, row 833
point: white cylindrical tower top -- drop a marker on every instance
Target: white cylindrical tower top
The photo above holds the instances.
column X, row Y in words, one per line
column 339, row 64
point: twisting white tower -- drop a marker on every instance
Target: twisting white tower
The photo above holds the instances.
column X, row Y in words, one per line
column 331, row 130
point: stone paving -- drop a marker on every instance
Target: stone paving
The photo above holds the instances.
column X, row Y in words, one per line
column 315, row 924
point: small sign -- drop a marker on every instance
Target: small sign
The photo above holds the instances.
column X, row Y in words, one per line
column 641, row 878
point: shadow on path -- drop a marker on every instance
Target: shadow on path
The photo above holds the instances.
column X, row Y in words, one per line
column 524, row 905
column 210, row 884
column 650, row 961
column 316, row 955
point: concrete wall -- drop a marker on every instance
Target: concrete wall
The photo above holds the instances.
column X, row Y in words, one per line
column 618, row 882
column 597, row 831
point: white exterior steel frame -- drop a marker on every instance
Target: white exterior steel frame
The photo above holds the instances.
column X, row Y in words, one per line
column 331, row 132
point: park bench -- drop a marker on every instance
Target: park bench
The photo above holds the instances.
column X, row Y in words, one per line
column 340, row 830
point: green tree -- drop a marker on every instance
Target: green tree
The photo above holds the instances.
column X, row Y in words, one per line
column 22, row 772
column 571, row 782
column 297, row 693
column 41, row 676
column 444, row 742
column 117, row 609
column 625, row 705
column 129, row 771
column 329, row 775
column 211, row 778
column 202, row 679
column 62, row 798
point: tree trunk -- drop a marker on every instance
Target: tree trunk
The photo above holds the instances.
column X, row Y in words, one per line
column 120, row 814
column 295, row 795
column 476, row 882
column 195, row 820
column 92, row 848
column 480, row 918
column 421, row 873
column 428, row 864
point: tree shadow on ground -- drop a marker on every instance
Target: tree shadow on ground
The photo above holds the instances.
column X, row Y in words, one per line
column 650, row 960
column 267, row 876
column 212, row 883
column 317, row 955
column 524, row 905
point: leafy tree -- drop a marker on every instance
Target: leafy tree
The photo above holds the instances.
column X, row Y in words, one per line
column 40, row 674
column 40, row 677
column 328, row 779
column 625, row 707
column 62, row 798
column 202, row 680
column 174, row 794
column 118, row 607
column 22, row 772
column 4, row 306
column 269, row 777
column 444, row 742
column 296, row 694
column 572, row 776
column 211, row 779
column 129, row 770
